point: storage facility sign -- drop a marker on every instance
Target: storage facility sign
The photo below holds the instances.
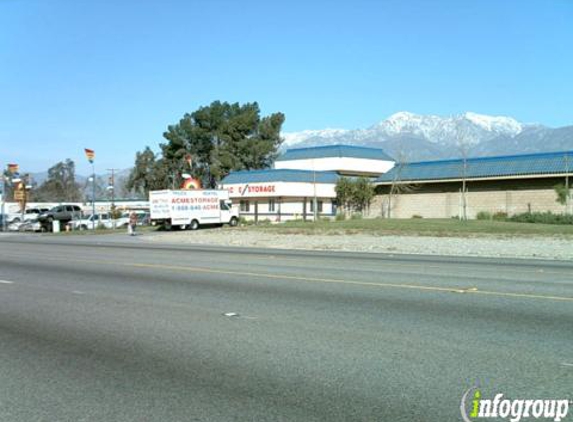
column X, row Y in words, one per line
column 280, row 189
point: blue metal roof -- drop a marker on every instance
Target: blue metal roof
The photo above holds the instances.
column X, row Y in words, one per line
column 327, row 151
column 500, row 166
column 280, row 175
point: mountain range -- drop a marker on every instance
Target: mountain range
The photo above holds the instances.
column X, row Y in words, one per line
column 413, row 137
column 102, row 183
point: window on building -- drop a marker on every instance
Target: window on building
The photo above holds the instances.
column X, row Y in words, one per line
column 272, row 205
column 245, row 206
column 318, row 206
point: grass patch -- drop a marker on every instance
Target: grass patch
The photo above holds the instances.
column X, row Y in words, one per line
column 419, row 227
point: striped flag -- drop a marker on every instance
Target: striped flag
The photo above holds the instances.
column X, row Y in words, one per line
column 13, row 168
column 90, row 154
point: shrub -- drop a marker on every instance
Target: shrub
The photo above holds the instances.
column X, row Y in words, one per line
column 484, row 215
column 341, row 216
column 499, row 216
column 244, row 222
column 356, row 216
column 542, row 217
column 417, row 216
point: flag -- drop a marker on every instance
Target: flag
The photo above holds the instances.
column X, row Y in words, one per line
column 90, row 154
column 13, row 168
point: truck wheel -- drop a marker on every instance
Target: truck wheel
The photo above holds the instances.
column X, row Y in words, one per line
column 194, row 225
column 234, row 221
column 167, row 225
column 83, row 227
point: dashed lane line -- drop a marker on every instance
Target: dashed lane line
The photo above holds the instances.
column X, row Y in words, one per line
column 419, row 287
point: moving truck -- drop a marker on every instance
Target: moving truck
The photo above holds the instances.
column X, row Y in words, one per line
column 191, row 208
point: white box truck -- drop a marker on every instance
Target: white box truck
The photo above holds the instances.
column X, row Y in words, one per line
column 191, row 208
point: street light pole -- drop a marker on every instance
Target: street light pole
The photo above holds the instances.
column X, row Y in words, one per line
column 3, row 201
column 93, row 196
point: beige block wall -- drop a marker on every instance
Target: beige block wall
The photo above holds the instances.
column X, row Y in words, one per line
column 449, row 204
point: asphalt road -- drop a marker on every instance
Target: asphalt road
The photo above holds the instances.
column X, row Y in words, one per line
column 95, row 329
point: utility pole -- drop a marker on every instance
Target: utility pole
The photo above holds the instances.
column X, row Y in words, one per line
column 314, row 199
column 111, row 187
column 464, row 190
column 567, row 192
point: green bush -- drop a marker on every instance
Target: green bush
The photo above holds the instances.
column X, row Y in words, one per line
column 341, row 216
column 244, row 222
column 484, row 215
column 417, row 216
column 542, row 217
column 499, row 216
column 356, row 216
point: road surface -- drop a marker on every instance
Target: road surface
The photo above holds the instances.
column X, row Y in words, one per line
column 118, row 330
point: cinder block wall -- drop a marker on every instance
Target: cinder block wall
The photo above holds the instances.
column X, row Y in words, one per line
column 446, row 202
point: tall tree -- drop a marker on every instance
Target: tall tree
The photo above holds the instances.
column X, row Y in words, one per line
column 354, row 194
column 60, row 185
column 344, row 190
column 363, row 193
column 221, row 137
column 149, row 173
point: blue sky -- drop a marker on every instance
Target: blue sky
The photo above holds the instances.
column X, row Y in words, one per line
column 111, row 75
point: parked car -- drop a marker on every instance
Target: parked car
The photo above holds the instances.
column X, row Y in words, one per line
column 33, row 213
column 14, row 226
column 142, row 218
column 31, row 226
column 92, row 221
column 61, row 213
column 14, row 217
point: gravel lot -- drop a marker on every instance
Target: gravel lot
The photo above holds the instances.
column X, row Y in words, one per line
column 490, row 246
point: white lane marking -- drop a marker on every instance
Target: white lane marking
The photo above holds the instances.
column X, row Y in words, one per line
column 567, row 364
column 6, row 282
column 77, row 292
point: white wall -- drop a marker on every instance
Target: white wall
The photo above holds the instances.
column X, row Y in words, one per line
column 285, row 209
column 14, row 207
column 279, row 189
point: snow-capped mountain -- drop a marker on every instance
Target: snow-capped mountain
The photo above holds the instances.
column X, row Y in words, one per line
column 469, row 127
column 415, row 136
column 296, row 137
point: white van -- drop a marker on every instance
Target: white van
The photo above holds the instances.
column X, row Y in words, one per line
column 191, row 208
